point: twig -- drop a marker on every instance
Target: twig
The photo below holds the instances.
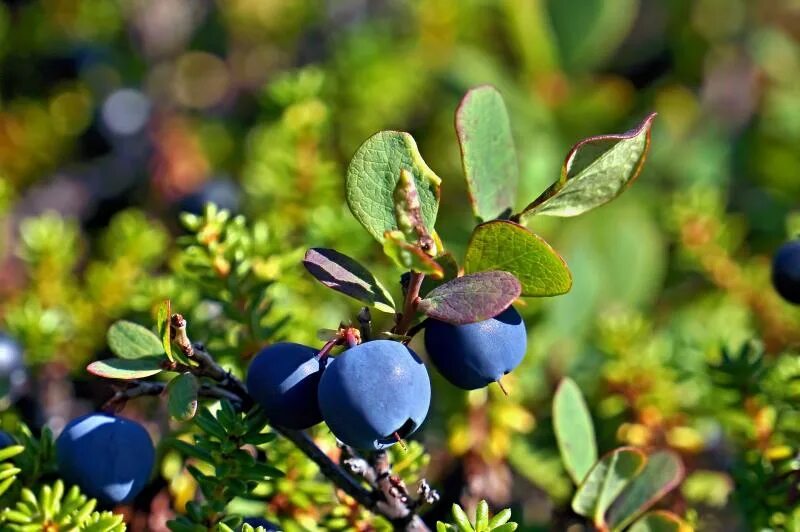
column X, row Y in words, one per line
column 405, row 319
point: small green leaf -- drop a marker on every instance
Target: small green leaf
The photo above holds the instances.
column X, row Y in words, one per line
column 574, row 430
column 372, row 177
column 461, row 519
column 508, row 527
column 663, row 472
column 596, row 171
column 10, row 451
column 442, row 527
column 410, row 256
column 182, row 401
column 605, row 482
column 482, row 516
column 660, row 521
column 164, row 313
column 471, row 298
column 500, row 518
column 343, row 274
column 130, row 340
column 487, row 152
column 121, row 368
column 507, row 246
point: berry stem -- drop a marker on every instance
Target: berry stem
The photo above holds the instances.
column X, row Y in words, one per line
column 405, row 319
column 500, row 384
column 326, row 349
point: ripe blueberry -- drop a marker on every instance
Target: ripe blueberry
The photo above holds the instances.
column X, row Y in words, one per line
column 786, row 271
column 108, row 457
column 373, row 393
column 12, row 367
column 269, row 526
column 283, row 378
column 475, row 355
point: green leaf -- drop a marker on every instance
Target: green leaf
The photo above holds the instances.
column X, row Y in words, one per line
column 663, row 472
column 372, row 177
column 596, row 171
column 130, row 340
column 574, row 430
column 471, row 298
column 182, row 401
column 605, row 482
column 507, row 246
column 164, row 313
column 121, row 368
column 461, row 519
column 508, row 527
column 482, row 516
column 410, row 256
column 500, row 518
column 660, row 521
column 343, row 274
column 487, row 152
column 10, row 452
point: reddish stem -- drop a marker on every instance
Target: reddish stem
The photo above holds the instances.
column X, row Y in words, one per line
column 326, row 349
column 410, row 306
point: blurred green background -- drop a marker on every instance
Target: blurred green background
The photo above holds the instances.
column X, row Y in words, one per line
column 115, row 116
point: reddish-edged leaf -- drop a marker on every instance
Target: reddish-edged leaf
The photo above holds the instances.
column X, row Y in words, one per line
column 487, row 152
column 471, row 298
column 343, row 274
column 596, row 171
column 663, row 472
column 125, row 368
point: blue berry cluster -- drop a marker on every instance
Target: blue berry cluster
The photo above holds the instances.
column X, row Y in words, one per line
column 378, row 392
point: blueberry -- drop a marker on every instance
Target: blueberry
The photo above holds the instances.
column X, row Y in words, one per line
column 786, row 271
column 12, row 367
column 475, row 355
column 221, row 191
column 283, row 379
column 109, row 458
column 269, row 526
column 373, row 393
column 6, row 440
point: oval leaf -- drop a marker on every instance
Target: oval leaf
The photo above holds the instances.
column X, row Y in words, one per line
column 122, row 368
column 343, row 274
column 596, row 171
column 182, row 401
column 471, row 298
column 487, row 152
column 164, row 314
column 502, row 245
column 574, row 430
column 373, row 175
column 130, row 340
column 663, row 472
column 605, row 482
column 660, row 521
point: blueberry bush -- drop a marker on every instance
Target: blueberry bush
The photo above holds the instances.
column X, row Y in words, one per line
column 295, row 265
